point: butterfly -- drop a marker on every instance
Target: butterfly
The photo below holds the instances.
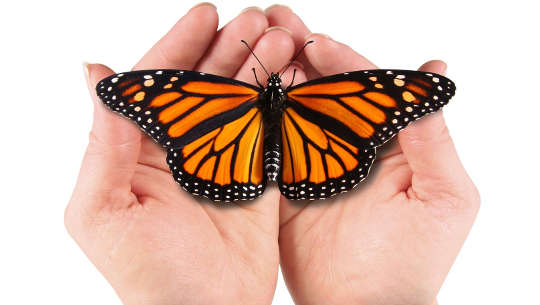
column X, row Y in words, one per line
column 225, row 139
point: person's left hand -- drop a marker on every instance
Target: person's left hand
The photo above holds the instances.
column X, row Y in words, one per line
column 393, row 239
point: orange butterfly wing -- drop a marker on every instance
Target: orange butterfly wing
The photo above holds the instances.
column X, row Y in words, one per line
column 332, row 125
column 211, row 126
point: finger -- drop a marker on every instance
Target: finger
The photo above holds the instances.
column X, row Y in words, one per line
column 296, row 69
column 184, row 44
column 431, row 155
column 331, row 57
column 280, row 15
column 112, row 152
column 275, row 49
column 227, row 53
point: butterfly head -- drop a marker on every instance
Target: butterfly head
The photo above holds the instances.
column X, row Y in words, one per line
column 274, row 81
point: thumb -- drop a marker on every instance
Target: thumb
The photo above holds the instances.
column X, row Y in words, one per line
column 431, row 155
column 112, row 153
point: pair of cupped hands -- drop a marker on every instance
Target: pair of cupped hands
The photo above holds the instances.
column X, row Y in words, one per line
column 390, row 241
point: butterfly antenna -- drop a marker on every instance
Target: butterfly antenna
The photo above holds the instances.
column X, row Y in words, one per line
column 295, row 57
column 247, row 45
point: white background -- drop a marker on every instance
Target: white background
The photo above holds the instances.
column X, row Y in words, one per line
column 45, row 118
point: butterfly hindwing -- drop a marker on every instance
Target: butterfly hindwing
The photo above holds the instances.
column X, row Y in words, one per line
column 224, row 164
column 317, row 163
column 332, row 125
column 211, row 126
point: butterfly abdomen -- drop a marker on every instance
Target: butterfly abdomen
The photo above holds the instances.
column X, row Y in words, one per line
column 272, row 147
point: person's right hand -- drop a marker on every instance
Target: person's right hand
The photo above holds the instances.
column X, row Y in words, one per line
column 155, row 243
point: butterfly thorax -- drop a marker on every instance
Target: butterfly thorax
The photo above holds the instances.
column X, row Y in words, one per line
column 273, row 99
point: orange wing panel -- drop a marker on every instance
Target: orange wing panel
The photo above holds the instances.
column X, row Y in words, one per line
column 343, row 87
column 212, row 108
column 223, row 174
column 332, row 109
column 201, row 87
column 245, row 149
column 297, row 150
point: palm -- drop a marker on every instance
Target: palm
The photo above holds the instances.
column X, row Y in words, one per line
column 376, row 239
column 166, row 230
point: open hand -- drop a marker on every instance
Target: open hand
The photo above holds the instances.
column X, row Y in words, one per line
column 392, row 240
column 155, row 243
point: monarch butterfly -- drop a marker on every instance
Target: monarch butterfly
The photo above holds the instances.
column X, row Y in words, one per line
column 226, row 139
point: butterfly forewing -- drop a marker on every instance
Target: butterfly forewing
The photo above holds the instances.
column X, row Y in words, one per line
column 212, row 127
column 176, row 107
column 370, row 107
column 332, row 125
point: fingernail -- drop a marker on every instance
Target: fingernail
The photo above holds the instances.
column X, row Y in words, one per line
column 252, row 8
column 276, row 6
column 445, row 67
column 280, row 28
column 86, row 70
column 205, row 3
column 310, row 35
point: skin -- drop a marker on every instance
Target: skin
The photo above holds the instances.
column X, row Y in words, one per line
column 392, row 241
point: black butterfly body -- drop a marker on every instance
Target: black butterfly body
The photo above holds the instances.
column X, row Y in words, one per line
column 226, row 139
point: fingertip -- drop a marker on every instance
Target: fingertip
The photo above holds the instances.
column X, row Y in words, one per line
column 252, row 9
column 431, row 125
column 277, row 8
column 285, row 16
column 275, row 48
column 321, row 52
column 93, row 74
column 322, row 45
column 331, row 57
column 281, row 37
column 281, row 15
column 226, row 54
column 435, row 66
column 85, row 70
column 206, row 12
column 107, row 126
column 204, row 5
column 179, row 49
column 96, row 72
column 255, row 17
column 205, row 9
